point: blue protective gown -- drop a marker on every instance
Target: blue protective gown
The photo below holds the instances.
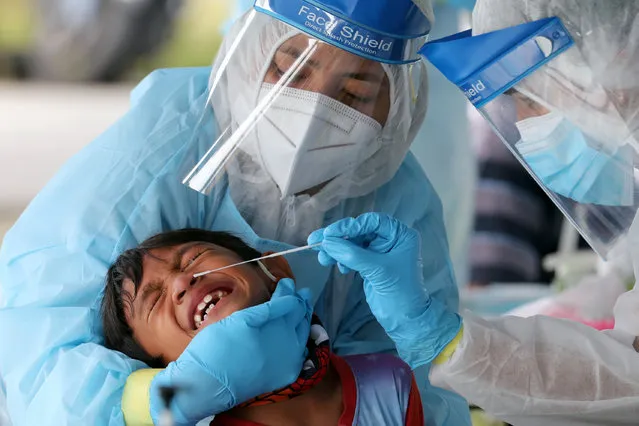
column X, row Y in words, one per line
column 125, row 187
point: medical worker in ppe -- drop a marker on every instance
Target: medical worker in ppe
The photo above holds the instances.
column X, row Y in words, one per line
column 306, row 117
column 561, row 90
column 454, row 185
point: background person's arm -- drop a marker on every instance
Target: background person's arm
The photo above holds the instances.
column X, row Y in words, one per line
column 544, row 370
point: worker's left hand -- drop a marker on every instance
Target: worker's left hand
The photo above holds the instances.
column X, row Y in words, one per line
column 387, row 254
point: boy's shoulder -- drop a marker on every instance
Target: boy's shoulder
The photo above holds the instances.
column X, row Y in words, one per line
column 380, row 373
column 384, row 386
column 378, row 364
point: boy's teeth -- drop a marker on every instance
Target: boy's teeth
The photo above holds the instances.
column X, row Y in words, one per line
column 206, row 303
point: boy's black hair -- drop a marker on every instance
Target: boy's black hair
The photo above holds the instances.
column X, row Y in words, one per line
column 118, row 334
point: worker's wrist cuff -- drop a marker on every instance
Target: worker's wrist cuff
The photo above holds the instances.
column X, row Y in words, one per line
column 136, row 399
column 449, row 350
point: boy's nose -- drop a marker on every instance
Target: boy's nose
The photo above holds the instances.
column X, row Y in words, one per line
column 182, row 282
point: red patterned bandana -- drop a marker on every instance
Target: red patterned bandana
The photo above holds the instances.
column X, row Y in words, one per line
column 314, row 369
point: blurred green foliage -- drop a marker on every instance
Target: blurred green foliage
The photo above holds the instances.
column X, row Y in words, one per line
column 195, row 40
column 479, row 418
column 16, row 23
column 196, row 37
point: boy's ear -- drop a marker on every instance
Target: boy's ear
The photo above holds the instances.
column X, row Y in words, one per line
column 278, row 266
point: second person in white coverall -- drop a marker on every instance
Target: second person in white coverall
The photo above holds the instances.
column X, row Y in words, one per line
column 527, row 371
column 539, row 370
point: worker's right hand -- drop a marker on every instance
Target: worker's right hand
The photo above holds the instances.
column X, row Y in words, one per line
column 387, row 254
column 251, row 352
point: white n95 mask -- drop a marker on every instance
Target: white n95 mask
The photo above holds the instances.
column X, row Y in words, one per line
column 559, row 155
column 306, row 139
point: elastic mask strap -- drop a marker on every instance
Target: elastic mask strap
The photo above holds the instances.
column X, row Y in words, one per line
column 266, row 271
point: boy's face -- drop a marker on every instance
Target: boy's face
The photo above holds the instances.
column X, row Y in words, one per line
column 171, row 306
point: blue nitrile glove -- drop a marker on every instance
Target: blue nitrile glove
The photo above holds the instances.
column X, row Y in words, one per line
column 387, row 254
column 253, row 351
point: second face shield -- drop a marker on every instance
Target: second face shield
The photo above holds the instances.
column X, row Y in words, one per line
column 567, row 129
column 309, row 99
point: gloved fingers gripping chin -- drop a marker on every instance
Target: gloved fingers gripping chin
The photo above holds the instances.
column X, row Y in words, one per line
column 285, row 287
column 306, row 294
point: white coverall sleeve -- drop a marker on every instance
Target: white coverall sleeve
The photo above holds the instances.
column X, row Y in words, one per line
column 545, row 371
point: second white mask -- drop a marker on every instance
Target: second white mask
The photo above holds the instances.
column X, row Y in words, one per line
column 305, row 139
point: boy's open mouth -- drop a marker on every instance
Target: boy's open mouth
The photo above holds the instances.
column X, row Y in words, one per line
column 206, row 301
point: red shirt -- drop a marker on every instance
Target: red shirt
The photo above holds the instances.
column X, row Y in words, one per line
column 414, row 415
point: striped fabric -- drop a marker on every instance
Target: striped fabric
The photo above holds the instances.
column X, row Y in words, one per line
column 516, row 224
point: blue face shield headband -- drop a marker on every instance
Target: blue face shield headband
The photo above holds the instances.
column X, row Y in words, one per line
column 589, row 177
column 389, row 31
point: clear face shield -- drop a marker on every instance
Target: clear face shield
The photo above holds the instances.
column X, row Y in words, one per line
column 568, row 131
column 303, row 101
